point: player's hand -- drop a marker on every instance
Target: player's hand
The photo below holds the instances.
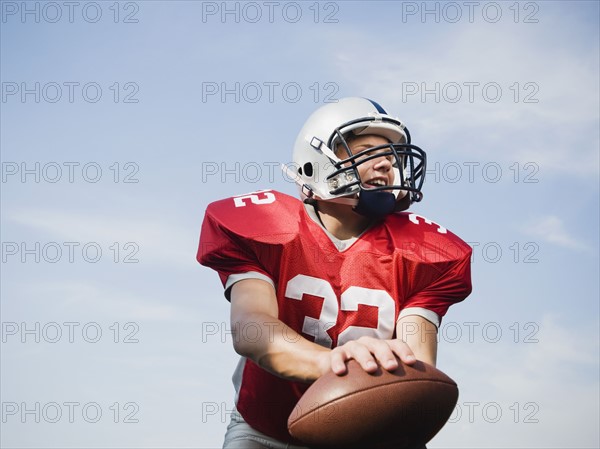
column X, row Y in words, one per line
column 369, row 352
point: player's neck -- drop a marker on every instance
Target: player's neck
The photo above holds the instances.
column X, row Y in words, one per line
column 341, row 221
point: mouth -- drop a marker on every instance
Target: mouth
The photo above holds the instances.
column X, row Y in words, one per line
column 375, row 182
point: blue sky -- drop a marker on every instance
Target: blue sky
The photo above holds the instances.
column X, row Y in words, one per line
column 167, row 107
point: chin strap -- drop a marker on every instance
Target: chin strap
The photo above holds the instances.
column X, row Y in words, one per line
column 375, row 203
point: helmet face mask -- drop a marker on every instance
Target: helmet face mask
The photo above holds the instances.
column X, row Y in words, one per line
column 408, row 163
column 327, row 168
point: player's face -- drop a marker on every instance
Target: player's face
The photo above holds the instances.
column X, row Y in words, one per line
column 375, row 172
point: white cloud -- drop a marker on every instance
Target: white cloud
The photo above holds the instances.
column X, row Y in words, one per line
column 552, row 229
column 555, row 72
column 90, row 297
column 159, row 242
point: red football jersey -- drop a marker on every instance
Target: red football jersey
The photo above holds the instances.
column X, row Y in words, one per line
column 328, row 293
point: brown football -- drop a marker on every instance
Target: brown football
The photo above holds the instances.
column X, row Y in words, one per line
column 404, row 408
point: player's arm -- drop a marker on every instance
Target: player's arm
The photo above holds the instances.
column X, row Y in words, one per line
column 284, row 352
column 420, row 335
column 277, row 347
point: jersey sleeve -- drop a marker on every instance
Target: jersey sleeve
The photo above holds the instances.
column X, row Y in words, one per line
column 452, row 285
column 230, row 254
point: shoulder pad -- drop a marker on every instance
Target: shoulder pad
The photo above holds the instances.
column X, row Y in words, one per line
column 264, row 212
column 425, row 239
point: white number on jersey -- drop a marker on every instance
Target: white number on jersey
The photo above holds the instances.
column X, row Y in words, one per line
column 414, row 218
column 258, row 197
column 301, row 284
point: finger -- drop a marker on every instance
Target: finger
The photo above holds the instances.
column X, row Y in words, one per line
column 403, row 351
column 382, row 352
column 385, row 356
column 362, row 354
column 338, row 362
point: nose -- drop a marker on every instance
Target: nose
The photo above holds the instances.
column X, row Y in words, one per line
column 382, row 163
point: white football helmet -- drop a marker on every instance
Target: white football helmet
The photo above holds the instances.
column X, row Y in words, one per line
column 323, row 175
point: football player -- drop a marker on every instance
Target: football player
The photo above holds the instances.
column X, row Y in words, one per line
column 343, row 273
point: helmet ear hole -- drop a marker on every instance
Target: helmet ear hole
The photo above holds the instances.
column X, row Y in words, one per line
column 308, row 169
